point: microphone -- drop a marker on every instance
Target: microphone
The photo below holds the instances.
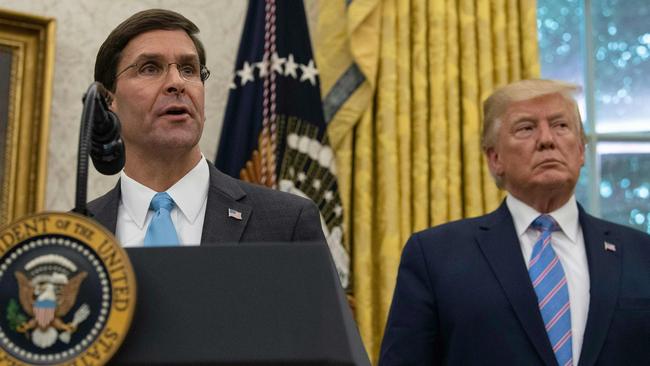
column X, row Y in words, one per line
column 107, row 147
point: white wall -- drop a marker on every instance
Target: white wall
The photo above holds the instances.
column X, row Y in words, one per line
column 81, row 28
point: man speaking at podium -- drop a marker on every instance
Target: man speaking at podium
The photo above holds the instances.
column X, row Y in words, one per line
column 153, row 66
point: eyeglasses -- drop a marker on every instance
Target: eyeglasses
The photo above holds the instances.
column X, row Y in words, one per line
column 154, row 70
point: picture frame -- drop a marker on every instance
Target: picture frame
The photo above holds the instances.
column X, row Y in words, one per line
column 27, row 47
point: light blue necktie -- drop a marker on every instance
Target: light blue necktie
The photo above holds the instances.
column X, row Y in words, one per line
column 161, row 230
column 552, row 291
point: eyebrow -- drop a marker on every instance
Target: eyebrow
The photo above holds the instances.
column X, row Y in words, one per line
column 521, row 117
column 185, row 58
column 559, row 115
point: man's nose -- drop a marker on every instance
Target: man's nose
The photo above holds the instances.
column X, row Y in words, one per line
column 545, row 138
column 174, row 83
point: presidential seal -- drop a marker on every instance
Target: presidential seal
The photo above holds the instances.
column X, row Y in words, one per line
column 67, row 291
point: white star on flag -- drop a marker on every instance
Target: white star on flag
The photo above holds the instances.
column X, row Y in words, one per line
column 290, row 67
column 263, row 66
column 276, row 63
column 246, row 73
column 309, row 72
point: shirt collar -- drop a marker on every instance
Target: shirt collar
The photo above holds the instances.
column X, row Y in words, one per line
column 188, row 193
column 135, row 198
column 524, row 215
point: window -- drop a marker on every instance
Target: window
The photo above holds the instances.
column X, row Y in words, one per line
column 604, row 45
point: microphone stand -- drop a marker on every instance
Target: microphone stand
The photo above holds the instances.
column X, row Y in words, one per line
column 87, row 119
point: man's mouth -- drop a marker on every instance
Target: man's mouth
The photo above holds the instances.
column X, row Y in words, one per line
column 549, row 162
column 175, row 111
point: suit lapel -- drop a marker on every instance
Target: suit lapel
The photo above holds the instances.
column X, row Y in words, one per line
column 499, row 243
column 104, row 209
column 604, row 279
column 224, row 194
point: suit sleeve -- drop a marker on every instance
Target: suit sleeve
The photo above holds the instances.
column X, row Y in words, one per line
column 308, row 226
column 411, row 332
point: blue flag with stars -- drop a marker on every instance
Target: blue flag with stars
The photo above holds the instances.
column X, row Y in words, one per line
column 274, row 132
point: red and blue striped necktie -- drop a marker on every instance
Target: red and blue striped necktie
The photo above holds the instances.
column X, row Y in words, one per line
column 549, row 281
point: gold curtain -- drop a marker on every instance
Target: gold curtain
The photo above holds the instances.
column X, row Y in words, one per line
column 404, row 83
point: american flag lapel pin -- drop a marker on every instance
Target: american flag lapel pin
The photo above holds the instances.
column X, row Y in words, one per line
column 234, row 214
column 610, row 247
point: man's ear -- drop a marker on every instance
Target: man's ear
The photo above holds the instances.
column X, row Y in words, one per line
column 494, row 161
column 111, row 101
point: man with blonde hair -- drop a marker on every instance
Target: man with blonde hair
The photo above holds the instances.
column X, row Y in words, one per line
column 536, row 282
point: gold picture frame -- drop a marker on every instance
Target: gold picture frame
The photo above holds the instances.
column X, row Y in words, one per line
column 26, row 70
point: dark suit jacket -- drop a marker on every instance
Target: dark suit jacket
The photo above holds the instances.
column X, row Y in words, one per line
column 267, row 215
column 464, row 297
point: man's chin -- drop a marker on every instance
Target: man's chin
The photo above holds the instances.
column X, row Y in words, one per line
column 176, row 142
column 181, row 134
column 554, row 180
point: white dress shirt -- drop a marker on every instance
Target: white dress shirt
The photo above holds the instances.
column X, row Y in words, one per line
column 569, row 245
column 190, row 194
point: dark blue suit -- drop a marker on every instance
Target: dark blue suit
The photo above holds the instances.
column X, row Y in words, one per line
column 464, row 297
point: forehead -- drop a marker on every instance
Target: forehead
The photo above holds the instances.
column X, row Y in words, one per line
column 169, row 44
column 549, row 105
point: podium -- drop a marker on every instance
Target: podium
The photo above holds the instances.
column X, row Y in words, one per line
column 240, row 304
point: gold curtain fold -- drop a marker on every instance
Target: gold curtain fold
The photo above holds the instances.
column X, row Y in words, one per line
column 404, row 83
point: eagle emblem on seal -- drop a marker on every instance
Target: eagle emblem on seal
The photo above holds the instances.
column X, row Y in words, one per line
column 47, row 292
